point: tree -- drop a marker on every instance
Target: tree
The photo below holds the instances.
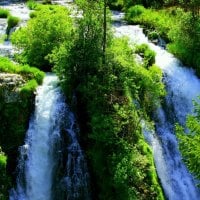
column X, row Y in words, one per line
column 50, row 27
column 191, row 5
column 189, row 143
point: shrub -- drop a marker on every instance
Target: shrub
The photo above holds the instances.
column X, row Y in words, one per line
column 32, row 5
column 4, row 13
column 49, row 28
column 134, row 11
column 32, row 14
column 12, row 22
column 147, row 54
column 153, row 35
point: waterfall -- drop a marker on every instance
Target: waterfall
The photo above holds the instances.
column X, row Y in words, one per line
column 41, row 154
column 182, row 88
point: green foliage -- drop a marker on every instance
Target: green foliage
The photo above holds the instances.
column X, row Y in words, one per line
column 32, row 14
column 48, row 29
column 161, row 20
column 121, row 162
column 189, row 143
column 4, row 181
column 134, row 11
column 26, row 71
column 4, row 13
column 147, row 54
column 31, row 4
column 185, row 39
column 29, row 88
column 153, row 35
column 12, row 22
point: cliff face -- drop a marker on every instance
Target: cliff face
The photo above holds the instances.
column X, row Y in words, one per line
column 15, row 111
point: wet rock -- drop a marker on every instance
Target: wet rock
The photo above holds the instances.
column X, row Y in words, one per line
column 9, row 87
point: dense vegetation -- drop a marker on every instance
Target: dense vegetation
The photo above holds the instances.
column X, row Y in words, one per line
column 120, row 160
column 50, row 27
column 189, row 141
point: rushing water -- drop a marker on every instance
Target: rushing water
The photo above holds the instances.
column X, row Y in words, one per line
column 40, row 155
column 182, row 87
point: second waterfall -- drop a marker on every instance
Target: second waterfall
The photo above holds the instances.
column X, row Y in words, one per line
column 182, row 88
column 44, row 173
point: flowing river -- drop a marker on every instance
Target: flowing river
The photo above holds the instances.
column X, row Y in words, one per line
column 182, row 88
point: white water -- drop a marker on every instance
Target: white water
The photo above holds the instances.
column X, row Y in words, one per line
column 182, row 87
column 37, row 161
column 76, row 178
column 42, row 155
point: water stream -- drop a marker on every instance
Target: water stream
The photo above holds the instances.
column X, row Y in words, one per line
column 182, row 87
column 42, row 155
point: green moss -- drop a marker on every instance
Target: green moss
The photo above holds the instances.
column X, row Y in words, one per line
column 28, row 89
column 25, row 70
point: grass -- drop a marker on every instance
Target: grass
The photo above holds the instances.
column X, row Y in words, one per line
column 31, row 4
column 26, row 71
column 159, row 20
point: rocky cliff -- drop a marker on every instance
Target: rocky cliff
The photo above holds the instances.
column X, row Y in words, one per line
column 15, row 111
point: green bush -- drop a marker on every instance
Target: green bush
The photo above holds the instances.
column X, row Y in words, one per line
column 4, row 13
column 159, row 20
column 12, row 22
column 32, row 14
column 134, row 11
column 47, row 30
column 189, row 141
column 153, row 35
column 31, row 4
column 147, row 54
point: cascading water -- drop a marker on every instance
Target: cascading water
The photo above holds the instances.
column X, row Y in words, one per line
column 41, row 154
column 182, row 87
column 76, row 177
